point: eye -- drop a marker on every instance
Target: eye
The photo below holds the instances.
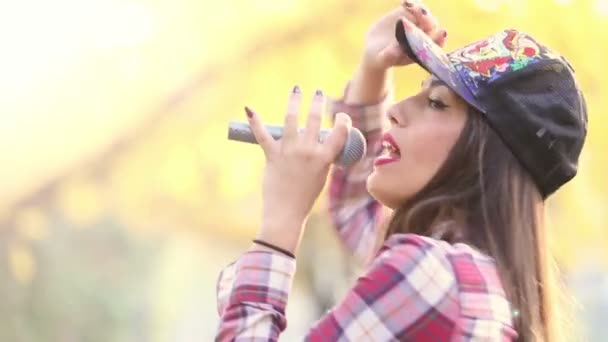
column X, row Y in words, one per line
column 437, row 104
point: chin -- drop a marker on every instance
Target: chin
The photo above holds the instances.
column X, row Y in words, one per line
column 381, row 190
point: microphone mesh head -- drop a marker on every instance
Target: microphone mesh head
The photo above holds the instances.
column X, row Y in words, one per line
column 354, row 148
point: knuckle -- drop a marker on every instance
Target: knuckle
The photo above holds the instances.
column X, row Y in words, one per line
column 307, row 153
column 265, row 143
column 316, row 116
column 290, row 116
column 327, row 155
column 288, row 149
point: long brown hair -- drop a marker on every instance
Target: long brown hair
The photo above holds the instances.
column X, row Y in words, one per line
column 482, row 196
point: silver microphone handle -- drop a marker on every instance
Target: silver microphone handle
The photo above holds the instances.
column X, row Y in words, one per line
column 354, row 149
column 241, row 131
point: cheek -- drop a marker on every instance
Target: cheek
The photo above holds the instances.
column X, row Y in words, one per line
column 428, row 148
column 424, row 149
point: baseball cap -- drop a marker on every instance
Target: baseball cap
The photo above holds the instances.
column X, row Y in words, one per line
column 527, row 93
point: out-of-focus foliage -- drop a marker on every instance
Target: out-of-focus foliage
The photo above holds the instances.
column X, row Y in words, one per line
column 128, row 196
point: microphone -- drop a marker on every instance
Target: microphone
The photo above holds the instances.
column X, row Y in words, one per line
column 353, row 151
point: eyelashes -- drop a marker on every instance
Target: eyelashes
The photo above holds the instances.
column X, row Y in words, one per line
column 436, row 104
column 433, row 103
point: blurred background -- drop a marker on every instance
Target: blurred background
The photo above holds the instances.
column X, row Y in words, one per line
column 122, row 198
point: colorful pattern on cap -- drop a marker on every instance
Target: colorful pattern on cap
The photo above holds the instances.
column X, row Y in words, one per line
column 469, row 69
column 488, row 60
column 432, row 57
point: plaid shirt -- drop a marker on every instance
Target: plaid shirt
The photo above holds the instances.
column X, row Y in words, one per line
column 415, row 288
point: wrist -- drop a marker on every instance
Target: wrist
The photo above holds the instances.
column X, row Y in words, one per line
column 285, row 234
column 369, row 85
column 372, row 69
column 261, row 245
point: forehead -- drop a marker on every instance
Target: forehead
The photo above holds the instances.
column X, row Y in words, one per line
column 432, row 81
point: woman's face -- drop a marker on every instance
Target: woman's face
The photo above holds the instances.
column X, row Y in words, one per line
column 424, row 127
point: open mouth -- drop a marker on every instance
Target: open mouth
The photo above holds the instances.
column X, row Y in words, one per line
column 390, row 151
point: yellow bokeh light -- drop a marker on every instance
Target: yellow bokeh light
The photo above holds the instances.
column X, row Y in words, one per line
column 489, row 5
column 81, row 201
column 601, row 6
column 32, row 224
column 21, row 262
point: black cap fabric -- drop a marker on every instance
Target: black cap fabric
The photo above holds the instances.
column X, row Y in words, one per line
column 527, row 92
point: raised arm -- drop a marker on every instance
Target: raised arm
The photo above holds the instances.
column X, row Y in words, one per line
column 354, row 212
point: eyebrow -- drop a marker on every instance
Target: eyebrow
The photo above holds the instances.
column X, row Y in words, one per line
column 435, row 83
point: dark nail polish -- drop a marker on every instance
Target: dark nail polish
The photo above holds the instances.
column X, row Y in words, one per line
column 423, row 11
column 319, row 92
column 249, row 112
column 296, row 90
column 408, row 4
column 445, row 33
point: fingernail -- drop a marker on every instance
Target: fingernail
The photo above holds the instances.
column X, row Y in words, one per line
column 296, row 90
column 445, row 33
column 319, row 92
column 423, row 11
column 408, row 4
column 249, row 112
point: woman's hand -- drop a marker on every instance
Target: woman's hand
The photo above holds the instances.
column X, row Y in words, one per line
column 296, row 169
column 371, row 81
column 382, row 50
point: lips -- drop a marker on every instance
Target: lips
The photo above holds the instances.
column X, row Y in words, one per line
column 390, row 151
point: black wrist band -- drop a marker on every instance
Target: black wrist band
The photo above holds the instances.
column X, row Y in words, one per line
column 273, row 247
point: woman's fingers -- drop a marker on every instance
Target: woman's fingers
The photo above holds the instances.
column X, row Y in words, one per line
column 408, row 10
column 290, row 130
column 334, row 142
column 337, row 138
column 410, row 4
column 393, row 54
column 260, row 133
column 440, row 36
column 331, row 146
column 424, row 19
column 313, row 124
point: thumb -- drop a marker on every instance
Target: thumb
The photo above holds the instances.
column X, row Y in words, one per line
column 392, row 54
column 337, row 138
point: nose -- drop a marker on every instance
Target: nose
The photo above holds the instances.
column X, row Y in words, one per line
column 397, row 113
column 391, row 117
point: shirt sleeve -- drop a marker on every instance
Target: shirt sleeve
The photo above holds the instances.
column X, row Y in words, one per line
column 408, row 294
column 252, row 296
column 354, row 213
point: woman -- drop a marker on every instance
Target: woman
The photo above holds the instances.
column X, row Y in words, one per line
column 465, row 167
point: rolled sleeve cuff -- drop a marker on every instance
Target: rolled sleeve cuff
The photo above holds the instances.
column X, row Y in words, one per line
column 365, row 117
column 256, row 277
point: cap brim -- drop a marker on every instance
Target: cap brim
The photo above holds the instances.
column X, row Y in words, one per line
column 425, row 52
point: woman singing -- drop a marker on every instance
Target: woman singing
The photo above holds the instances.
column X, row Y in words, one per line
column 462, row 172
